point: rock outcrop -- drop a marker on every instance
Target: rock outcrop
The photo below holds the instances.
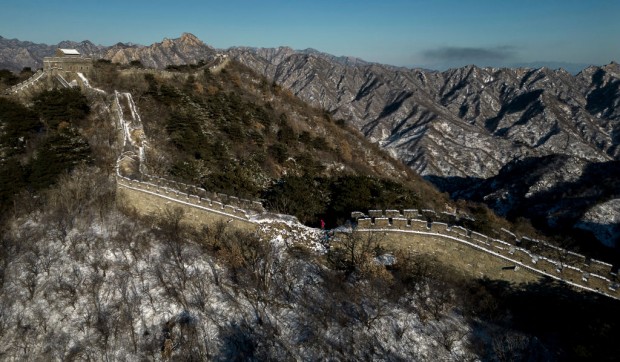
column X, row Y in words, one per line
column 187, row 49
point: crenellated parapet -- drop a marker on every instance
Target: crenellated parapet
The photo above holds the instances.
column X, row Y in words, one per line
column 37, row 79
column 164, row 185
column 535, row 255
column 193, row 196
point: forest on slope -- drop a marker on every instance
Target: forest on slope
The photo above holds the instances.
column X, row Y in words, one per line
column 236, row 132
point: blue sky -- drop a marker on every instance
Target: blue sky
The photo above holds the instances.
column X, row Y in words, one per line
column 431, row 33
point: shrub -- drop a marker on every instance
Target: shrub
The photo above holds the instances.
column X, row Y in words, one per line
column 58, row 105
column 299, row 196
column 308, row 165
column 319, row 143
column 136, row 64
column 279, row 152
column 185, row 133
column 18, row 124
column 11, row 181
column 234, row 179
column 59, row 152
column 355, row 193
column 355, row 252
column 285, row 133
column 7, row 77
column 305, row 137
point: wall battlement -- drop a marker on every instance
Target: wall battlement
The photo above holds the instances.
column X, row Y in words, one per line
column 572, row 268
column 198, row 194
column 30, row 82
column 199, row 208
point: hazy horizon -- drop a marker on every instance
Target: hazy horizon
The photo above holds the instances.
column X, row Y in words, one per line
column 418, row 33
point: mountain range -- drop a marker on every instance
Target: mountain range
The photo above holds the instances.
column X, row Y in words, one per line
column 537, row 143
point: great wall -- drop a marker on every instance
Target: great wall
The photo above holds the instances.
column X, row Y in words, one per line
column 65, row 69
column 150, row 194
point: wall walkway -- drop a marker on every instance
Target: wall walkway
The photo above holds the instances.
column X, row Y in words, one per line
column 534, row 255
column 35, row 79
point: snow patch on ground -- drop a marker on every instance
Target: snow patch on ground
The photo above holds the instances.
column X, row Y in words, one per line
column 116, row 289
column 603, row 220
column 286, row 231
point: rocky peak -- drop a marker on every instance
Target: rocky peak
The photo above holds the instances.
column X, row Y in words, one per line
column 167, row 42
column 187, row 49
column 190, row 39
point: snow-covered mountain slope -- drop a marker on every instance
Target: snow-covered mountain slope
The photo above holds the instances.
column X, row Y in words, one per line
column 115, row 288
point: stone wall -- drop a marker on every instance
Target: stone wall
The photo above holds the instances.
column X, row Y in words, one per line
column 572, row 268
column 154, row 195
column 249, row 206
column 64, row 73
column 66, row 65
column 36, row 79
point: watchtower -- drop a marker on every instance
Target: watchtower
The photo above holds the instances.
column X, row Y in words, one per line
column 67, row 61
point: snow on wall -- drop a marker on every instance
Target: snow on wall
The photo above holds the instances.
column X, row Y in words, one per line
column 570, row 267
column 27, row 83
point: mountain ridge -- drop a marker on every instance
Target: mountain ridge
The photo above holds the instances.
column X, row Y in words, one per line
column 467, row 122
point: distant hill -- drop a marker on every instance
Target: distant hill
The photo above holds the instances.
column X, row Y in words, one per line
column 470, row 123
column 15, row 54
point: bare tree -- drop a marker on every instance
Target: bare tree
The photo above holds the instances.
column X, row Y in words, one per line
column 511, row 346
column 356, row 252
column 448, row 333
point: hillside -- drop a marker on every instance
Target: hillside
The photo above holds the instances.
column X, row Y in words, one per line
column 234, row 132
column 466, row 125
column 83, row 276
column 455, row 128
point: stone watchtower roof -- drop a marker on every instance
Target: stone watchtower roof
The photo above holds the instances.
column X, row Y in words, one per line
column 67, row 52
